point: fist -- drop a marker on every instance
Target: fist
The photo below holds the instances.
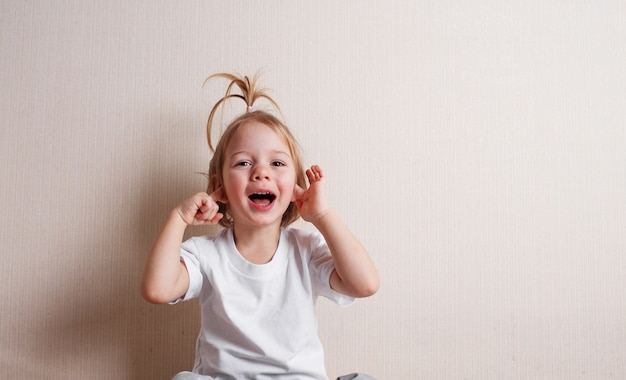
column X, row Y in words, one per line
column 202, row 208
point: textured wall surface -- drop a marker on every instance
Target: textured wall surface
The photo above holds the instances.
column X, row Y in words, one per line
column 477, row 148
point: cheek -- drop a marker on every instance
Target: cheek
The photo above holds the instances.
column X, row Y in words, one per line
column 231, row 185
column 289, row 185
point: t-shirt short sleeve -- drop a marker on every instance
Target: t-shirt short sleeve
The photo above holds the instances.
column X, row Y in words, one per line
column 189, row 255
column 321, row 267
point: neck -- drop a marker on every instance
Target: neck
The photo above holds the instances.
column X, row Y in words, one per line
column 257, row 245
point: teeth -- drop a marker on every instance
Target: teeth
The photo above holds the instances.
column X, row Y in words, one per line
column 267, row 196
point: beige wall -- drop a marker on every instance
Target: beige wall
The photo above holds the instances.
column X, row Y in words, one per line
column 477, row 149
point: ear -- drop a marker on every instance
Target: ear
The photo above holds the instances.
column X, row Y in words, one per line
column 216, row 190
column 297, row 193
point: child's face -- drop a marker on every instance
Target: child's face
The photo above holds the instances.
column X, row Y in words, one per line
column 259, row 176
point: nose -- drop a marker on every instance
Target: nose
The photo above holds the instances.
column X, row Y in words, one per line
column 260, row 172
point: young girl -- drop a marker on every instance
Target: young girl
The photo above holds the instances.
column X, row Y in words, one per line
column 257, row 280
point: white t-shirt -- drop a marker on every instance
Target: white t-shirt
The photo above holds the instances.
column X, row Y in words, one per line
column 258, row 321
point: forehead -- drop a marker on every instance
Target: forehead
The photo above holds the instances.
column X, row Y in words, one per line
column 254, row 134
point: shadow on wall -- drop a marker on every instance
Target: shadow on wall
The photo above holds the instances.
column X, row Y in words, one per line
column 106, row 323
column 164, row 335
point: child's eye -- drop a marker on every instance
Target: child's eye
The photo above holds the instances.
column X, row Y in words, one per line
column 243, row 163
column 278, row 163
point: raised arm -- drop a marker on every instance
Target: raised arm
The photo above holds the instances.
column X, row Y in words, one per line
column 165, row 278
column 355, row 273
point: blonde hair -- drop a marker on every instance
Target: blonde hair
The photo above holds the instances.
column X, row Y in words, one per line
column 249, row 94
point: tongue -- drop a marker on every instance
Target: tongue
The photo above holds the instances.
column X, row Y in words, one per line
column 261, row 202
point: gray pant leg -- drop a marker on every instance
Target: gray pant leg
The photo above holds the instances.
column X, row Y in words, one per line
column 356, row 376
column 194, row 376
column 186, row 375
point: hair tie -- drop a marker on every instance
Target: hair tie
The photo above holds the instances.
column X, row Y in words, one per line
column 249, row 109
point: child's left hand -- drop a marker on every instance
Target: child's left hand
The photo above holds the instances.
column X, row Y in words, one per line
column 312, row 202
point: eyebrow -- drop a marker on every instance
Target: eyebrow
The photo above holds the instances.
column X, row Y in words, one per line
column 283, row 152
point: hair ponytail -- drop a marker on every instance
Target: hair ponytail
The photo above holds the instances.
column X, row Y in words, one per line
column 249, row 93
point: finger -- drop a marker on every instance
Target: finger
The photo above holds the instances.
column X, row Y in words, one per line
column 203, row 214
column 216, row 218
column 204, row 207
column 205, row 203
column 315, row 173
column 211, row 219
column 318, row 170
column 319, row 173
column 310, row 175
column 209, row 216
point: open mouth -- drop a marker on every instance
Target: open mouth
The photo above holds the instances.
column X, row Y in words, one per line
column 262, row 199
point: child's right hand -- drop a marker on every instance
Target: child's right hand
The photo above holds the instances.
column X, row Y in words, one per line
column 202, row 208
